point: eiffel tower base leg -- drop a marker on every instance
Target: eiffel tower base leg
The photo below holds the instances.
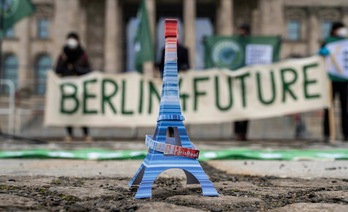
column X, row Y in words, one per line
column 146, row 176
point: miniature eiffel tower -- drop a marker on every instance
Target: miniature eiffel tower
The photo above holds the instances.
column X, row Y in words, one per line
column 170, row 152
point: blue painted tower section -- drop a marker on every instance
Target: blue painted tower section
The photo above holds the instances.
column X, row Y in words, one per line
column 170, row 115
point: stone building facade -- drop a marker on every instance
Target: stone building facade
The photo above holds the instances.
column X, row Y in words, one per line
column 107, row 27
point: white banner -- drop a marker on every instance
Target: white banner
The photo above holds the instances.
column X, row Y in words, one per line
column 210, row 96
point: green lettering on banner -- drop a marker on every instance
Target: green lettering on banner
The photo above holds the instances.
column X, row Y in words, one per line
column 152, row 90
column 71, row 96
column 180, row 82
column 243, row 89
column 123, row 100
column 197, row 93
column 259, row 89
column 183, row 96
column 106, row 98
column 307, row 82
column 87, row 96
column 141, row 93
column 217, row 94
column 287, row 84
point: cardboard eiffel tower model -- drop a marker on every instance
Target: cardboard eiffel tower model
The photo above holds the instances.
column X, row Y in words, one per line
column 170, row 152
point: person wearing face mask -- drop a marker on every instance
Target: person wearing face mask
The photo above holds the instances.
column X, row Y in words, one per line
column 73, row 61
column 339, row 85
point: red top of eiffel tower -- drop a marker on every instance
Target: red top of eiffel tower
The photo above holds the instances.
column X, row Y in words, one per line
column 171, row 28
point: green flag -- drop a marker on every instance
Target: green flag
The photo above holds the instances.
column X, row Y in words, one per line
column 13, row 11
column 234, row 52
column 144, row 51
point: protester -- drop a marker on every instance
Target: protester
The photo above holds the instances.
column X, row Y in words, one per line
column 241, row 127
column 73, row 61
column 339, row 85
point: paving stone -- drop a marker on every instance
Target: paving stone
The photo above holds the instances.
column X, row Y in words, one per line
column 312, row 207
column 235, row 185
column 240, row 188
column 284, row 169
column 304, row 183
column 83, row 193
column 161, row 207
column 217, row 203
column 270, row 192
column 333, row 195
column 10, row 200
column 26, row 181
column 228, row 187
column 106, row 183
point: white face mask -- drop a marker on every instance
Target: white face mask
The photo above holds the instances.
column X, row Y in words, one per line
column 72, row 43
column 342, row 32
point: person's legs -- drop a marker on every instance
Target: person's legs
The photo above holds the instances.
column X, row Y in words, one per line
column 236, row 130
column 85, row 131
column 344, row 104
column 244, row 130
column 300, row 129
column 326, row 124
column 70, row 133
column 326, row 128
column 244, row 127
column 240, row 130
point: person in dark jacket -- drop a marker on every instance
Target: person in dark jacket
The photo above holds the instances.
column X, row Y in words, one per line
column 73, row 61
column 339, row 85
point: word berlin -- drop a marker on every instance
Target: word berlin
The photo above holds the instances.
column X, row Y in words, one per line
column 209, row 96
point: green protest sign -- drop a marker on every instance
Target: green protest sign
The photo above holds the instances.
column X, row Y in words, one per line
column 234, row 52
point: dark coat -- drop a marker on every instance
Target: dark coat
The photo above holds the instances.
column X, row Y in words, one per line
column 72, row 62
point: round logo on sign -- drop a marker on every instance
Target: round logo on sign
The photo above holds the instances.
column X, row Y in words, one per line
column 227, row 54
column 9, row 7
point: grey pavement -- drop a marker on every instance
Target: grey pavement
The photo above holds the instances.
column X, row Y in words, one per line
column 73, row 168
column 127, row 168
column 285, row 169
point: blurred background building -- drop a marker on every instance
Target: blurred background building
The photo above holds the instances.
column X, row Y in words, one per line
column 107, row 29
